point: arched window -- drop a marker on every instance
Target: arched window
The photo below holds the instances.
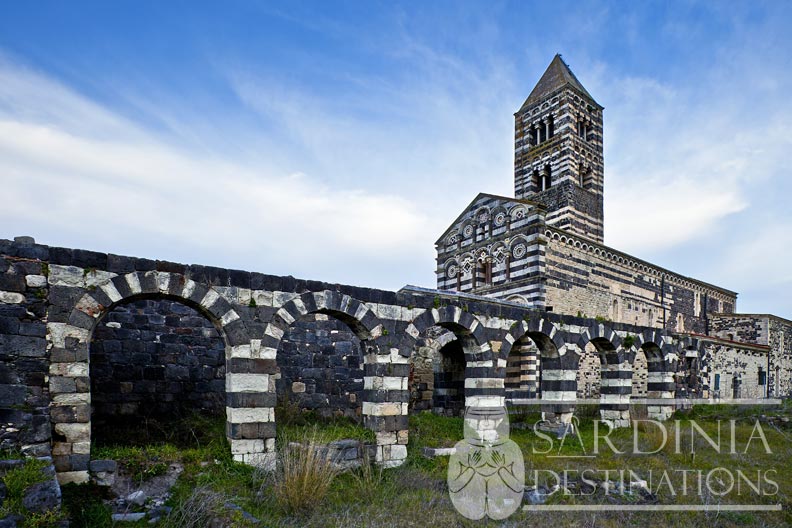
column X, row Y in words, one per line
column 546, row 178
column 550, row 127
column 680, row 326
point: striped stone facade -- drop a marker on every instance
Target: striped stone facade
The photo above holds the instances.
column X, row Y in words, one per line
column 598, row 281
column 495, row 248
column 558, row 154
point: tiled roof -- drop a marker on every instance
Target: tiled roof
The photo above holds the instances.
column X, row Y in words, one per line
column 556, row 76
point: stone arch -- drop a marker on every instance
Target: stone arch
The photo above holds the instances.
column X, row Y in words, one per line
column 517, row 212
column 484, row 381
column 518, row 299
column 386, row 366
column 602, row 336
column 437, row 365
column 661, row 358
column 615, row 370
column 359, row 317
column 482, row 214
column 500, row 216
column 536, row 343
column 249, row 411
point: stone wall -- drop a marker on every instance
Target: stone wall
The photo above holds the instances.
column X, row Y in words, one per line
column 321, row 367
column 592, row 280
column 155, row 359
column 734, row 371
column 589, row 373
column 24, row 355
column 762, row 329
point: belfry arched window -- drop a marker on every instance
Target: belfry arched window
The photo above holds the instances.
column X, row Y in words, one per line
column 546, row 180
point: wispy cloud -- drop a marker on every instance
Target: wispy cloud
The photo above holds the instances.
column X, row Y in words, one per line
column 72, row 166
column 346, row 165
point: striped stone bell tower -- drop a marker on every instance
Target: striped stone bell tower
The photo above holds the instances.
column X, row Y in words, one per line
column 558, row 157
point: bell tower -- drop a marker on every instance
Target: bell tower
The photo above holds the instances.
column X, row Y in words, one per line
column 558, row 156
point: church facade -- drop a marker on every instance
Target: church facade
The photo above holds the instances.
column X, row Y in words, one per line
column 544, row 248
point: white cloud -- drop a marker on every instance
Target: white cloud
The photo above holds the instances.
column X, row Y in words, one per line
column 678, row 163
column 70, row 165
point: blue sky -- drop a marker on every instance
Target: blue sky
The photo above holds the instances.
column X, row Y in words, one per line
column 336, row 141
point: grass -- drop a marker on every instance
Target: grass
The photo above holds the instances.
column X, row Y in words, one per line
column 302, row 493
column 85, row 507
column 17, row 481
column 303, row 476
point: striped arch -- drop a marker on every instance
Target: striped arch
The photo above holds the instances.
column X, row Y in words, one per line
column 601, row 336
column 462, row 323
column 249, row 385
column 615, row 373
column 544, row 333
column 354, row 313
column 484, row 376
column 548, row 373
column 386, row 366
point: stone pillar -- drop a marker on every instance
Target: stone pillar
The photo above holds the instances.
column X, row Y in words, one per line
column 386, row 402
column 485, row 383
column 559, row 387
column 522, row 373
column 615, row 391
column 70, row 408
column 250, row 403
column 661, row 385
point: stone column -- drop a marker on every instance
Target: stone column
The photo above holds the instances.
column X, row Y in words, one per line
column 615, row 390
column 661, row 385
column 386, row 401
column 485, row 382
column 559, row 387
column 70, row 410
column 250, row 399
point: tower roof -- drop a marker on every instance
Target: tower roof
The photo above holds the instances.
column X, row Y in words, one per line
column 556, row 76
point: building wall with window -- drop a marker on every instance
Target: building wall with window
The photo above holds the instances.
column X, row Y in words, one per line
column 495, row 248
column 762, row 329
column 591, row 280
